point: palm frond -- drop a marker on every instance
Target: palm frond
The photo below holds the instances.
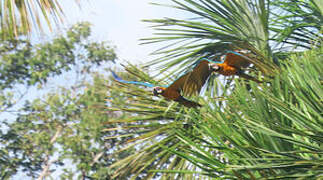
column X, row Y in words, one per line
column 216, row 26
column 268, row 131
column 297, row 24
column 257, row 131
column 20, row 17
column 149, row 127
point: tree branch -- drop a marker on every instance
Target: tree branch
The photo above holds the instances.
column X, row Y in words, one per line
column 46, row 167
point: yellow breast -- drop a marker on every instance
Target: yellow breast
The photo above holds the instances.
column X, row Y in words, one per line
column 227, row 70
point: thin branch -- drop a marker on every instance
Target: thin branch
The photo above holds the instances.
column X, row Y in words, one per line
column 45, row 172
column 96, row 158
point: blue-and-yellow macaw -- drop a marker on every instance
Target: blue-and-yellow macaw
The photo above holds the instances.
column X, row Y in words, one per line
column 232, row 65
column 188, row 84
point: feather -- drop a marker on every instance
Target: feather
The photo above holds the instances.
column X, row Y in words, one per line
column 119, row 79
column 211, row 61
column 197, row 78
column 236, row 59
column 192, row 82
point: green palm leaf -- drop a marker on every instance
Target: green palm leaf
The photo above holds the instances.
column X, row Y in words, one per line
column 265, row 132
column 216, row 26
column 19, row 17
column 256, row 131
column 150, row 127
column 298, row 23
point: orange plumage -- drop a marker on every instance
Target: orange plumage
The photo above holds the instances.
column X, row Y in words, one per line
column 233, row 65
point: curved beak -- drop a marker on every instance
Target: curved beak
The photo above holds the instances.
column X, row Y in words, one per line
column 155, row 93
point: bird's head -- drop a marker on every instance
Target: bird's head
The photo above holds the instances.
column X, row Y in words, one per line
column 215, row 67
column 158, row 90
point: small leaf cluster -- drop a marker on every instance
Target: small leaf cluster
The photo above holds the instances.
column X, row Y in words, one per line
column 25, row 63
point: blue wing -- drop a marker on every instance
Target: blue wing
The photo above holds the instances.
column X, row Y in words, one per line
column 211, row 61
column 117, row 78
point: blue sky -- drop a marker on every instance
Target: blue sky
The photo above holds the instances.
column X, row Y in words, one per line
column 119, row 21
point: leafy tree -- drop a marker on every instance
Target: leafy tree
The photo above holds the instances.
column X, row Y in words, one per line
column 25, row 64
column 65, row 126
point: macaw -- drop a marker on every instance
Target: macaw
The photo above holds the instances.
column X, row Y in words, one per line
column 188, row 84
column 232, row 65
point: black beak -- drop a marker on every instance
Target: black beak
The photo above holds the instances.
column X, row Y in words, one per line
column 155, row 92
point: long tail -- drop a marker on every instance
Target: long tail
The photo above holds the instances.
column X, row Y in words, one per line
column 117, row 78
column 187, row 103
column 246, row 76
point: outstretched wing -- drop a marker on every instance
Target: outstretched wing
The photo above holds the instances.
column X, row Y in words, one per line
column 192, row 82
column 236, row 59
column 119, row 79
column 197, row 78
column 178, row 84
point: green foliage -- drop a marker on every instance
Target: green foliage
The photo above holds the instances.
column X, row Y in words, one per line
column 63, row 127
column 24, row 63
column 298, row 23
column 271, row 130
column 268, row 131
column 151, row 127
column 115, row 131
column 215, row 27
column 20, row 17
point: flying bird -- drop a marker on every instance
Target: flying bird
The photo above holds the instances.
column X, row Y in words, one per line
column 188, row 84
column 233, row 64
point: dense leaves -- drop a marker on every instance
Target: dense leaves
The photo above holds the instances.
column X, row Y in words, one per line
column 64, row 126
column 24, row 63
column 268, row 131
column 214, row 27
column 244, row 130
column 298, row 23
column 264, row 130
